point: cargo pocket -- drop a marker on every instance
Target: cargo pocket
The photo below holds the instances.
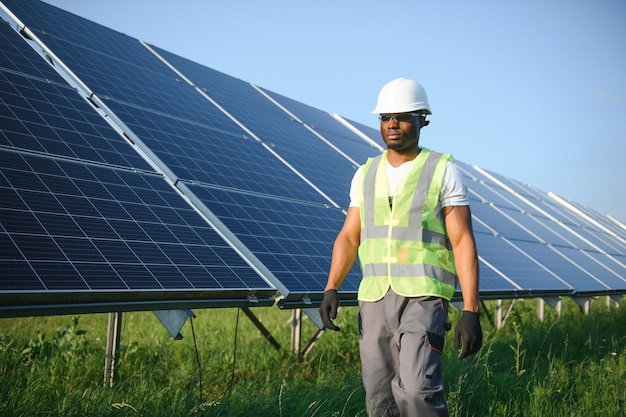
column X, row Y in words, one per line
column 360, row 325
column 433, row 374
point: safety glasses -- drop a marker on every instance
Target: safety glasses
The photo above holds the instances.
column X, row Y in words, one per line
column 398, row 117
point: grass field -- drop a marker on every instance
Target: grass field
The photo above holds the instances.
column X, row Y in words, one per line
column 572, row 365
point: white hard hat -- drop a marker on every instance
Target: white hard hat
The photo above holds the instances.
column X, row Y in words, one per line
column 402, row 95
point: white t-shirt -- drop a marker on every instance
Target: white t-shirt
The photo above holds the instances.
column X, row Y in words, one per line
column 453, row 190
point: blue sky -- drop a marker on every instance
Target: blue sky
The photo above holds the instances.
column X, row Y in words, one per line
column 533, row 90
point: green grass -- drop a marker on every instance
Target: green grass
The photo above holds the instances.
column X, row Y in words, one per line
column 573, row 365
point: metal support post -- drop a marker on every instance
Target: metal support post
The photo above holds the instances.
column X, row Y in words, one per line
column 296, row 330
column 113, row 346
column 499, row 321
column 268, row 336
column 309, row 346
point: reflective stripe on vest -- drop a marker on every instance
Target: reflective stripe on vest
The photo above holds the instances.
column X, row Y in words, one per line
column 405, row 247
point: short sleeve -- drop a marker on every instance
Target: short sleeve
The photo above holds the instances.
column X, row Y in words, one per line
column 353, row 187
column 453, row 189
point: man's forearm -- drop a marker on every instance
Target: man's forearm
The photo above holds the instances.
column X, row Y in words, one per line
column 343, row 258
column 466, row 262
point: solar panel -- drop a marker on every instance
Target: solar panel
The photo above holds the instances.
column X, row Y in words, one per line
column 593, row 236
column 506, row 257
column 197, row 152
column 345, row 141
column 50, row 118
column 600, row 268
column 153, row 126
column 288, row 137
column 86, row 222
column 181, row 117
column 76, row 233
column 557, row 240
column 494, row 284
column 191, row 144
column 614, row 237
column 566, row 267
column 292, row 238
column 268, row 175
column 18, row 59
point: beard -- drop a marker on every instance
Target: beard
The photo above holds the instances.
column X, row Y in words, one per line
column 402, row 146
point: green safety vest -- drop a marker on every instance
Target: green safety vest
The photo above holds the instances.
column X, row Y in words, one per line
column 405, row 246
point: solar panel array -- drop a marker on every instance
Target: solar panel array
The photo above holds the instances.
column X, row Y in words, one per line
column 539, row 245
column 87, row 223
column 143, row 177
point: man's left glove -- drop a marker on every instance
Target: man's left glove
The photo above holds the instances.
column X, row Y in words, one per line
column 468, row 328
column 328, row 309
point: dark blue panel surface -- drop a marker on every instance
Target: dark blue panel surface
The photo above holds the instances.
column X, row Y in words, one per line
column 16, row 55
column 599, row 240
column 52, row 119
column 539, row 214
column 370, row 132
column 530, row 198
column 523, row 271
column 324, row 124
column 574, row 275
column 194, row 138
column 479, row 191
column 497, row 220
column 611, row 270
column 492, row 283
column 73, row 227
column 114, row 65
column 49, row 117
column 572, row 226
column 293, row 239
column 50, row 22
column 322, row 165
column 603, row 221
column 200, row 153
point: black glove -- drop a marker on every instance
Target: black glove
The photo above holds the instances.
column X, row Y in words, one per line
column 328, row 309
column 468, row 328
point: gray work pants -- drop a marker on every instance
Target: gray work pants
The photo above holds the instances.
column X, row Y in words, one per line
column 401, row 340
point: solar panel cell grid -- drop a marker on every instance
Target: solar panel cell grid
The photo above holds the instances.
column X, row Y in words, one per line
column 323, row 123
column 16, row 55
column 66, row 241
column 500, row 219
column 292, row 239
column 526, row 273
column 200, row 153
column 144, row 82
column 41, row 123
column 55, row 24
column 576, row 277
column 602, row 220
column 297, row 145
column 492, row 283
column 609, row 269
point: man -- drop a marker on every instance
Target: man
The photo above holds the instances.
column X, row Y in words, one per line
column 409, row 222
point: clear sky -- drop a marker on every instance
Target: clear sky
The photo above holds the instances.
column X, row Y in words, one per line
column 534, row 90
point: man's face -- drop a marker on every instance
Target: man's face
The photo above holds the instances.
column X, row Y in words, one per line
column 400, row 131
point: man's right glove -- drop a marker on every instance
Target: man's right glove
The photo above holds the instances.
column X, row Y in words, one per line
column 328, row 309
column 468, row 328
